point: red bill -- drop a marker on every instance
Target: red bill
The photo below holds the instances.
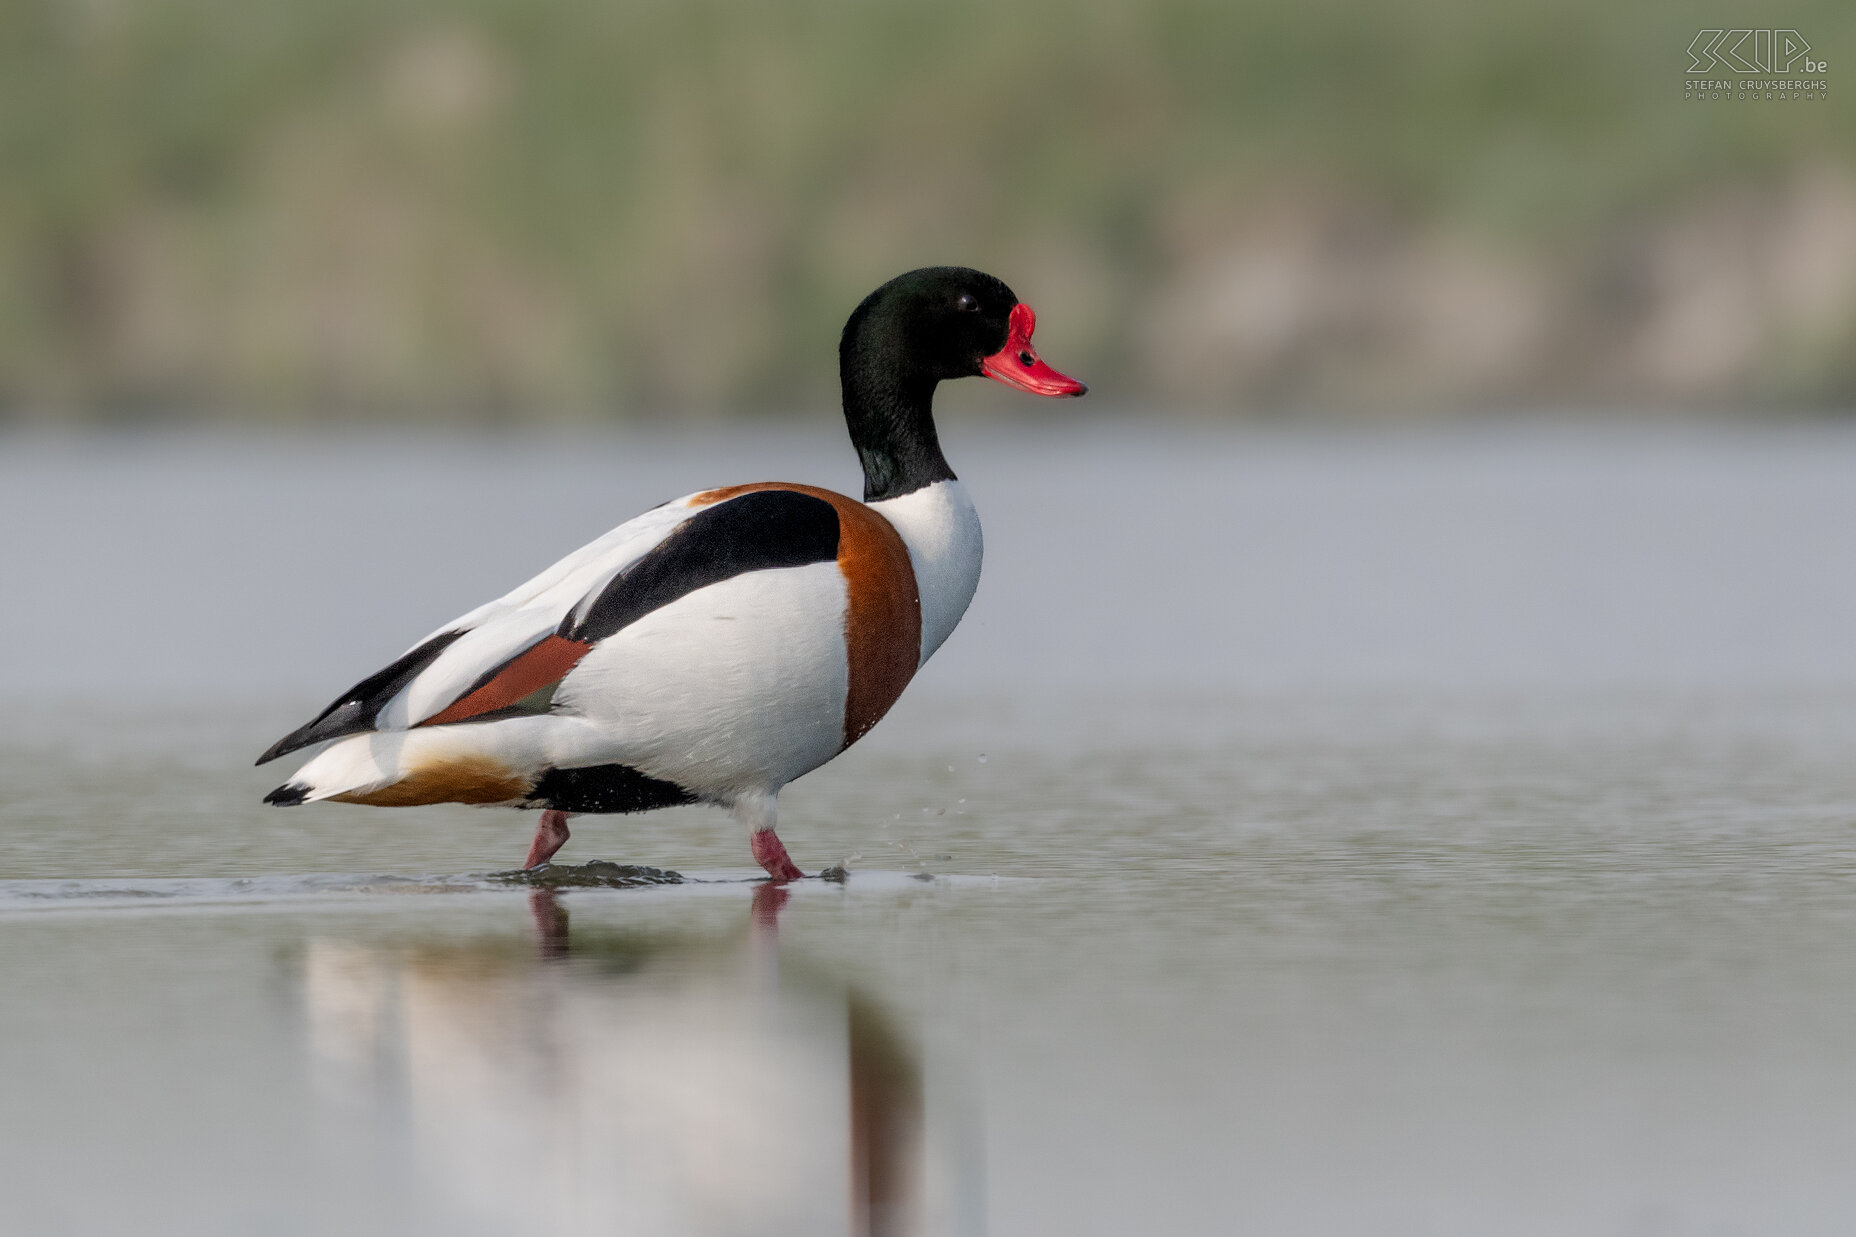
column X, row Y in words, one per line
column 1018, row 364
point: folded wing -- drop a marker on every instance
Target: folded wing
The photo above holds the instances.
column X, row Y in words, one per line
column 509, row 655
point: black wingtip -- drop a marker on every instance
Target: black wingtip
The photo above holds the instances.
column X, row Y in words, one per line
column 296, row 740
column 345, row 717
column 288, row 795
column 354, row 712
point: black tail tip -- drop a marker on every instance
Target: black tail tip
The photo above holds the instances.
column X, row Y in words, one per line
column 287, row 795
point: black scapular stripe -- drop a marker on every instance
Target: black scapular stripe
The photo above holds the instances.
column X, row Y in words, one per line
column 354, row 710
column 756, row 531
column 605, row 788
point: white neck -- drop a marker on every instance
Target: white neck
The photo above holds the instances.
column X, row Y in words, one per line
column 942, row 530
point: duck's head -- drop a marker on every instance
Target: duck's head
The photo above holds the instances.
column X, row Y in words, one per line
column 918, row 329
column 951, row 322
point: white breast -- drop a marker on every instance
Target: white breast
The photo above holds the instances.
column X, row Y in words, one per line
column 942, row 530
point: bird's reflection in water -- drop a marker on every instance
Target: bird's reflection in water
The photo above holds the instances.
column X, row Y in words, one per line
column 605, row 1081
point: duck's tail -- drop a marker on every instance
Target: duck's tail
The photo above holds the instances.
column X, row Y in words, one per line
column 406, row 768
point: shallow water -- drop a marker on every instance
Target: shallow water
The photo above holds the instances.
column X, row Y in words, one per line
column 1422, row 836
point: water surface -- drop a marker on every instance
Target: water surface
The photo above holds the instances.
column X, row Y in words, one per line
column 1315, row 834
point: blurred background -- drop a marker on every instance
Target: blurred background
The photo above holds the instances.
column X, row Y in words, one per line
column 520, row 210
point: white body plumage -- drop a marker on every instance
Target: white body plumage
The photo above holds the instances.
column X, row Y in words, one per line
column 734, row 688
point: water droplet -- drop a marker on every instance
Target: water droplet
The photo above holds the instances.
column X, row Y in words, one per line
column 950, row 768
column 962, row 800
column 982, row 757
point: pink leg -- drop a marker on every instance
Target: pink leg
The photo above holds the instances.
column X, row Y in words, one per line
column 550, row 836
column 757, row 810
column 771, row 854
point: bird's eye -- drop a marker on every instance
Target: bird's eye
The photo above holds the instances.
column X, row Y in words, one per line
column 966, row 303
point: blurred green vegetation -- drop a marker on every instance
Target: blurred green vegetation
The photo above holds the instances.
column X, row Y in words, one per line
column 502, row 209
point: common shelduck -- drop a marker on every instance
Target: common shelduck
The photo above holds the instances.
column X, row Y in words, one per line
column 720, row 645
